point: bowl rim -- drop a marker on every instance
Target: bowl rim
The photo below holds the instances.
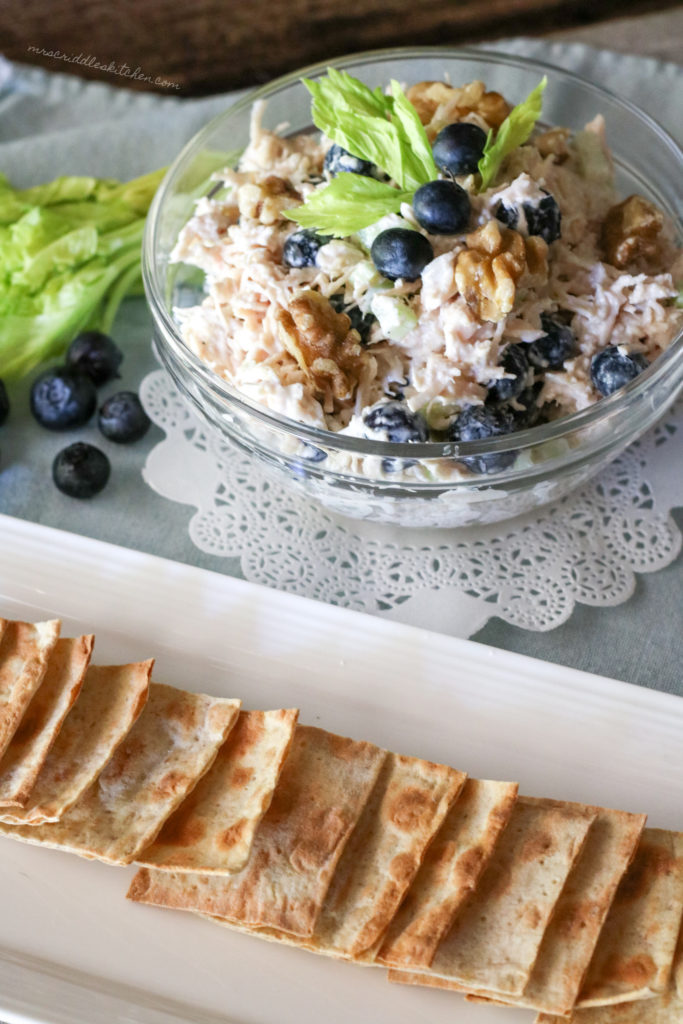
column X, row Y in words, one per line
column 358, row 446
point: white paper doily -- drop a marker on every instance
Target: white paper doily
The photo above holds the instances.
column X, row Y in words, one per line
column 529, row 572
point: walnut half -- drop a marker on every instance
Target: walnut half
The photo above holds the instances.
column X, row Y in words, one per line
column 324, row 345
column 266, row 200
column 630, row 231
column 487, row 271
column 439, row 104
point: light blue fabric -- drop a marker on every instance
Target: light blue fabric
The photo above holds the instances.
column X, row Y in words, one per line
column 54, row 124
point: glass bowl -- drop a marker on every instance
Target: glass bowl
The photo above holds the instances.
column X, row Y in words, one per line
column 345, row 473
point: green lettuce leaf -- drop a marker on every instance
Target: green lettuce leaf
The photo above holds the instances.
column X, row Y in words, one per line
column 385, row 130
column 419, row 165
column 514, row 132
column 69, row 254
column 349, row 203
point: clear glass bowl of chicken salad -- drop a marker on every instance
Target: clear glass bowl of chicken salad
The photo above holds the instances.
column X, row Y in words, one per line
column 426, row 287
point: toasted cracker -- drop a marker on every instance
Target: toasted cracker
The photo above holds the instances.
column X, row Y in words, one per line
column 496, row 937
column 406, row 807
column 663, row 1009
column 172, row 744
column 213, row 829
column 678, row 965
column 43, row 719
column 634, row 955
column 405, row 810
column 324, row 785
column 450, row 871
column 24, row 651
column 399, row 976
column 581, row 910
column 110, row 700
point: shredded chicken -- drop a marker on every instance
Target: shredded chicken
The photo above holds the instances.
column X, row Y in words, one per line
column 272, row 331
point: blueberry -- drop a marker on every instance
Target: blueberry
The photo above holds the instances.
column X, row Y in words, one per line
column 557, row 344
column 396, row 422
column 528, row 412
column 96, row 354
column 312, row 454
column 338, row 160
column 361, row 322
column 515, row 362
column 301, row 248
column 542, row 218
column 477, row 423
column 400, row 252
column 442, row 207
column 507, row 215
column 81, row 470
column 610, row 370
column 458, row 148
column 4, row 403
column 63, row 397
column 122, row 418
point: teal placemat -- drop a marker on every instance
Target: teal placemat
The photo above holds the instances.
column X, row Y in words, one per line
column 54, row 124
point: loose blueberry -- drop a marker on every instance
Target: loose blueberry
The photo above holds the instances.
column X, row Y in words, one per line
column 401, row 253
column 611, row 370
column 63, row 397
column 96, row 354
column 557, row 344
column 542, row 218
column 301, row 248
column 514, row 362
column 396, row 423
column 4, row 403
column 81, row 470
column 361, row 322
column 458, row 148
column 338, row 160
column 477, row 423
column 122, row 418
column 442, row 207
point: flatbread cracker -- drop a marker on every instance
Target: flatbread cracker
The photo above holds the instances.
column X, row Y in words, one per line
column 496, row 937
column 43, row 719
column 450, row 871
column 581, row 910
column 678, row 965
column 324, row 785
column 24, row 651
column 402, row 977
column 110, row 700
column 405, row 810
column 213, row 829
column 664, row 1009
column 634, row 955
column 406, row 807
column 172, row 744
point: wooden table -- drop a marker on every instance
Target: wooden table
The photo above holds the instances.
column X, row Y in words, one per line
column 213, row 45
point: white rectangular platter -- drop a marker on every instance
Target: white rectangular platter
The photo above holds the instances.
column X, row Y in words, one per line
column 74, row 951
